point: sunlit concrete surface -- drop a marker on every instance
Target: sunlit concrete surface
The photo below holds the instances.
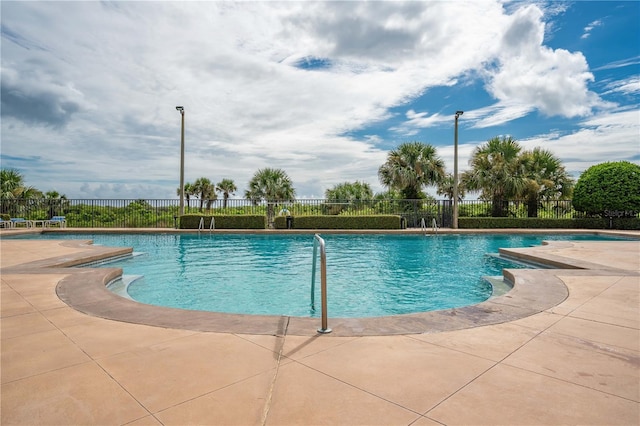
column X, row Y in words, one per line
column 576, row 362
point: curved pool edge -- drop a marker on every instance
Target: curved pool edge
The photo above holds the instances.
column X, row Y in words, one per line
column 84, row 289
column 533, row 292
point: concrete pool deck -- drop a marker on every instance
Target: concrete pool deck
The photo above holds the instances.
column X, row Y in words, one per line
column 574, row 362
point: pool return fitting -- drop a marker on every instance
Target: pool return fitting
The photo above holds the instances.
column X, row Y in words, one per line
column 318, row 241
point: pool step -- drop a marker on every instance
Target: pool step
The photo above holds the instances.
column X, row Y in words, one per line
column 121, row 285
column 499, row 284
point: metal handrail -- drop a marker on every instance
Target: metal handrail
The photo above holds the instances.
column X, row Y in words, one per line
column 318, row 241
column 212, row 224
column 434, row 226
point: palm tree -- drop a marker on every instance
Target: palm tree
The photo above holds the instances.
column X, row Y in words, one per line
column 188, row 193
column 410, row 167
column 11, row 183
column 445, row 187
column 497, row 171
column 227, row 187
column 12, row 187
column 546, row 178
column 271, row 185
column 55, row 203
column 205, row 190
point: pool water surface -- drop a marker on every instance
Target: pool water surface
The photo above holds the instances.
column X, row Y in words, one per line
column 368, row 275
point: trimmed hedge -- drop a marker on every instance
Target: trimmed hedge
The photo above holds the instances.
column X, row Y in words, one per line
column 543, row 223
column 340, row 222
column 5, row 216
column 192, row 221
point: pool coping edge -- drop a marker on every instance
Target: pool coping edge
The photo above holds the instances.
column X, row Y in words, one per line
column 84, row 289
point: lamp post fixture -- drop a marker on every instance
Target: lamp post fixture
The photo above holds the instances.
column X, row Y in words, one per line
column 454, row 225
column 181, row 111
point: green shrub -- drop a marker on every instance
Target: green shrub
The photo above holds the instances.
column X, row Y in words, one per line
column 607, row 223
column 192, row 221
column 609, row 189
column 544, row 223
column 512, row 222
column 340, row 222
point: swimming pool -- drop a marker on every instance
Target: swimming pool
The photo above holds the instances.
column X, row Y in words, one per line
column 367, row 274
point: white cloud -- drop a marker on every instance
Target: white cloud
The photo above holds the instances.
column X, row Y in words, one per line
column 419, row 120
column 627, row 62
column 589, row 28
column 627, row 86
column 108, row 76
column 499, row 113
column 528, row 73
column 524, row 76
column 612, row 136
column 227, row 64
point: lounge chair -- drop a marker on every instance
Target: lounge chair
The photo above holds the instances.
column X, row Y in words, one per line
column 57, row 220
column 20, row 221
column 6, row 223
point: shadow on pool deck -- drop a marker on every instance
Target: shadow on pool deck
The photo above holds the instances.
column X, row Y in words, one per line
column 570, row 358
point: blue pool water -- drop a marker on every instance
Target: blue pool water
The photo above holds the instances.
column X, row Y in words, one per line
column 367, row 275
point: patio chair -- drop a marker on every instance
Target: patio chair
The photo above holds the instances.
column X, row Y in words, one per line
column 57, row 220
column 20, row 221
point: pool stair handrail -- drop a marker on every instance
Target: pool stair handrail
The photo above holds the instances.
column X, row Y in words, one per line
column 212, row 225
column 318, row 241
column 423, row 226
column 434, row 226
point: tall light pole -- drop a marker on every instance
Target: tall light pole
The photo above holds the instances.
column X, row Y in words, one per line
column 181, row 111
column 454, row 225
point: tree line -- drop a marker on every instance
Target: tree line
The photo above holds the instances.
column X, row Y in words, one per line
column 500, row 171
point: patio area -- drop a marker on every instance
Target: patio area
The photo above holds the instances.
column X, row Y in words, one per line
column 576, row 362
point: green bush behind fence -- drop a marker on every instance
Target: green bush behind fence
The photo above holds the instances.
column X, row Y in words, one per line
column 541, row 223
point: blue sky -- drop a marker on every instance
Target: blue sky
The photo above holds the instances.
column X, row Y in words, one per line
column 322, row 90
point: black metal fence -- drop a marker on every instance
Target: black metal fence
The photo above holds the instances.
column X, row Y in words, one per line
column 154, row 213
column 550, row 209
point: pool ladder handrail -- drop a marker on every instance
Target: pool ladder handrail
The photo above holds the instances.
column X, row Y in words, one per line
column 212, row 224
column 434, row 226
column 318, row 241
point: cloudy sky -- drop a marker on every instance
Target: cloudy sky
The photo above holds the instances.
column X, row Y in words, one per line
column 322, row 90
